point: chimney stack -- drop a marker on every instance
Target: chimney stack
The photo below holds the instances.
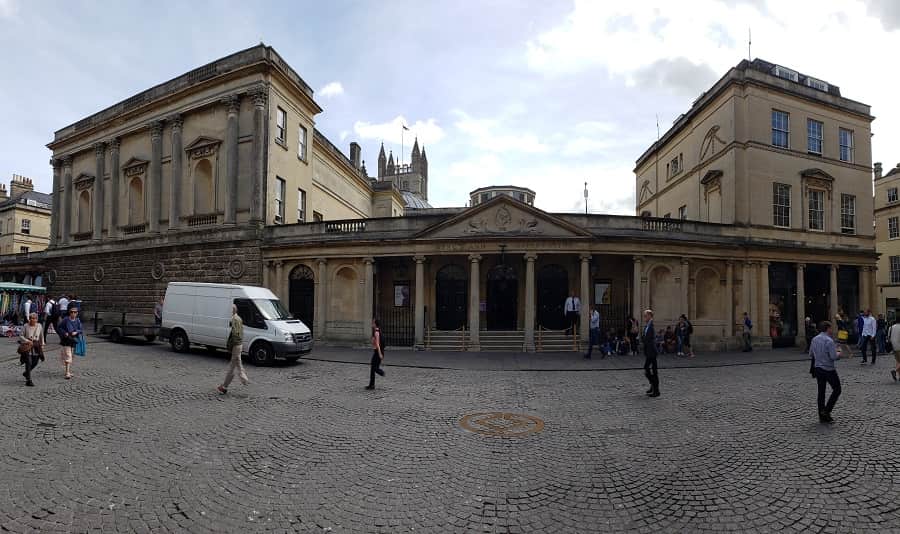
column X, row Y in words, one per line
column 3, row 194
column 877, row 167
column 20, row 185
column 355, row 154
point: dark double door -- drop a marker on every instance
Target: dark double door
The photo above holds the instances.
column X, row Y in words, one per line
column 451, row 295
column 552, row 291
column 302, row 297
column 502, row 298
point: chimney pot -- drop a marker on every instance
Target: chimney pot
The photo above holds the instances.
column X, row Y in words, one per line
column 355, row 154
column 877, row 168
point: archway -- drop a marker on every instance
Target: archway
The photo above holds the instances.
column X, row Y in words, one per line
column 502, row 298
column 451, row 295
column 135, row 201
column 552, row 291
column 84, row 212
column 203, row 188
column 302, row 294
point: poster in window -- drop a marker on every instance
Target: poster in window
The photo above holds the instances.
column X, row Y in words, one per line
column 602, row 293
column 401, row 295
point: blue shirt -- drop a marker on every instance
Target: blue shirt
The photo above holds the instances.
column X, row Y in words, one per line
column 823, row 352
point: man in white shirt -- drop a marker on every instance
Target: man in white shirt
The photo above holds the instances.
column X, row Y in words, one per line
column 870, row 326
column 27, row 309
column 595, row 333
column 572, row 310
column 49, row 317
column 64, row 305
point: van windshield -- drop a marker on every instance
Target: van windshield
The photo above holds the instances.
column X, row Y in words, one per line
column 272, row 309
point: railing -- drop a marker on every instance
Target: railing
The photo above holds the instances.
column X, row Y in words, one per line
column 81, row 236
column 132, row 229
column 662, row 224
column 201, row 220
column 345, row 227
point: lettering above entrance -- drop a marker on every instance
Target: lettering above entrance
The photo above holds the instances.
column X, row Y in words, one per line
column 135, row 167
column 503, row 216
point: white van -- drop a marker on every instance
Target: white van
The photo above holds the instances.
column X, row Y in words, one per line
column 200, row 314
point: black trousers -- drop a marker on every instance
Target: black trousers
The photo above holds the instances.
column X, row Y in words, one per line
column 869, row 341
column 651, row 371
column 572, row 321
column 47, row 322
column 375, row 367
column 31, row 360
column 831, row 378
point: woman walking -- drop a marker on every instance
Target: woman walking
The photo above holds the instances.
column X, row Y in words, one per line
column 31, row 344
column 69, row 331
column 377, row 353
column 631, row 330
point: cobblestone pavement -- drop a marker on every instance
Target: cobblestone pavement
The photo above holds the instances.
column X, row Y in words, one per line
column 140, row 442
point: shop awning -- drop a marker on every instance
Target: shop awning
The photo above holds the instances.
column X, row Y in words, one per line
column 12, row 286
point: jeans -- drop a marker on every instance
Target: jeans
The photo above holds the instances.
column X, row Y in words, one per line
column 867, row 342
column 31, row 361
column 651, row 371
column 747, row 345
column 831, row 378
column 593, row 340
column 375, row 368
column 235, row 365
column 680, row 344
column 879, row 341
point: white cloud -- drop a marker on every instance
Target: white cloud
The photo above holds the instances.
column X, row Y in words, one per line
column 343, row 135
column 428, row 132
column 331, row 89
column 489, row 135
column 8, row 8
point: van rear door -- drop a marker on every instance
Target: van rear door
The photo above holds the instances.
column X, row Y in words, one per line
column 211, row 314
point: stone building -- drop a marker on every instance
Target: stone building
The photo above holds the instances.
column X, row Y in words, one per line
column 887, row 237
column 411, row 179
column 24, row 217
column 484, row 194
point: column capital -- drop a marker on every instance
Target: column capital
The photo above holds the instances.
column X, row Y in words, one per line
column 419, row 258
column 177, row 121
column 114, row 144
column 834, row 266
column 765, row 263
column 585, row 256
column 260, row 95
column 156, row 128
column 637, row 259
column 368, row 260
column 278, row 263
column 531, row 256
column 232, row 104
column 474, row 258
column 99, row 149
column 56, row 163
column 729, row 263
column 801, row 266
column 321, row 261
column 685, row 261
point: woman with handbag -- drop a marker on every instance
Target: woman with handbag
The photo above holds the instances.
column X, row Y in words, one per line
column 31, row 344
column 69, row 330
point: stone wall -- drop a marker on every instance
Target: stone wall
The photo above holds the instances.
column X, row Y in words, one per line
column 132, row 280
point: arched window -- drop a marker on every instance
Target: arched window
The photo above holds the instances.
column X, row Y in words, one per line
column 135, row 201
column 203, row 188
column 84, row 212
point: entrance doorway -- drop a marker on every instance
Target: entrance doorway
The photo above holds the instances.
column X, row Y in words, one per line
column 502, row 298
column 302, row 295
column 816, row 288
column 451, row 295
column 552, row 291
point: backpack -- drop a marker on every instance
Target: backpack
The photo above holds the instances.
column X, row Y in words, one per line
column 54, row 309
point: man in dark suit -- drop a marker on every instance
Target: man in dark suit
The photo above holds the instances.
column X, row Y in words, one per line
column 650, row 368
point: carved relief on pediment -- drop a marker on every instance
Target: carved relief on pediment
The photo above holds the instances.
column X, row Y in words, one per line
column 135, row 167
column 203, row 147
column 83, row 181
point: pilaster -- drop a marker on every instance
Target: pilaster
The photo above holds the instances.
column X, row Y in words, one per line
column 153, row 191
column 729, row 298
column 636, row 299
column 764, row 300
column 530, row 306
column 175, row 191
column 54, row 214
column 98, row 201
column 474, row 302
column 832, row 294
column 585, row 318
column 420, row 303
column 65, row 215
column 257, row 193
column 321, row 298
column 113, row 231
column 801, row 304
column 232, row 105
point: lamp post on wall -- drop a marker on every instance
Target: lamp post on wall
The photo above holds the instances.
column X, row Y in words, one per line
column 585, row 199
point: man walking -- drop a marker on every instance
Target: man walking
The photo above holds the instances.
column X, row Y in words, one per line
column 894, row 337
column 823, row 353
column 810, row 332
column 868, row 336
column 573, row 310
column 234, row 344
column 595, row 332
column 747, row 330
column 651, row 371
column 377, row 354
column 51, row 316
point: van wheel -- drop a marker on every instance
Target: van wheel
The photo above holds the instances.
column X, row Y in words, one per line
column 115, row 336
column 180, row 342
column 261, row 354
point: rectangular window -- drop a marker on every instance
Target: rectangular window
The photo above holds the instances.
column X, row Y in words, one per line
column 786, row 73
column 816, row 209
column 895, row 269
column 301, row 206
column 816, row 84
column 279, row 200
column 682, row 212
column 317, row 217
column 892, row 194
column 280, row 125
column 893, row 227
column 674, row 166
column 781, row 205
column 845, row 138
column 814, row 130
column 301, row 143
column 780, row 128
column 23, row 250
column 848, row 214
column 26, row 226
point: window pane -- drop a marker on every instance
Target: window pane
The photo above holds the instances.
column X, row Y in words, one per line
column 814, row 130
column 817, row 210
column 780, row 129
column 893, row 227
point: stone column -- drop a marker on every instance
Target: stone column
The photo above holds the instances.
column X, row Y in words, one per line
column 685, row 286
column 153, row 191
column 764, row 299
column 175, row 192
column 257, row 173
column 267, row 265
column 474, row 302
column 55, row 203
column 100, row 158
column 321, row 298
column 279, row 279
column 233, row 105
column 420, row 303
column 874, row 294
column 752, row 302
column 833, row 294
column 530, row 306
column 113, row 231
column 801, row 305
column 65, row 212
column 636, row 289
column 865, row 300
column 729, row 299
column 585, row 326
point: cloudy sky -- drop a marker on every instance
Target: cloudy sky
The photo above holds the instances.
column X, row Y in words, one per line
column 543, row 94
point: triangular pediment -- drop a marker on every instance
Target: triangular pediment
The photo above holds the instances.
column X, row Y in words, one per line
column 817, row 174
column 135, row 162
column 502, row 216
column 645, row 191
column 203, row 141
